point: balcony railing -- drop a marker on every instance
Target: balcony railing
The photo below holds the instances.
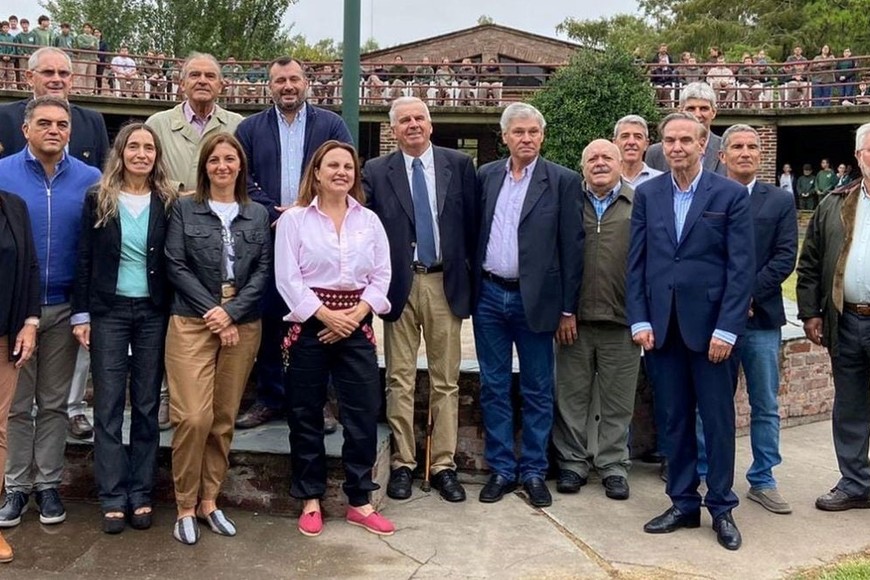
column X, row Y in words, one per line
column 457, row 85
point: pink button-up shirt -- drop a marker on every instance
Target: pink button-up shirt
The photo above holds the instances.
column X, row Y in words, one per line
column 310, row 253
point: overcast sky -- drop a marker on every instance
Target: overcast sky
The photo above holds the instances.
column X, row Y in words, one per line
column 393, row 22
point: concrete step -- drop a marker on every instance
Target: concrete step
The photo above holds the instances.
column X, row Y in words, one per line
column 258, row 478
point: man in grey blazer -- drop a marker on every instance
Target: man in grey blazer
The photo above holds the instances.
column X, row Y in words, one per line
column 699, row 100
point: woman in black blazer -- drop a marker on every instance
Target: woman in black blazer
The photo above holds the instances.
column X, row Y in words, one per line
column 19, row 311
column 120, row 307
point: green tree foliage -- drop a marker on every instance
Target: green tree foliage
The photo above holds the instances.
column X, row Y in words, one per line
column 485, row 19
column 323, row 50
column 582, row 101
column 245, row 29
column 696, row 25
column 370, row 45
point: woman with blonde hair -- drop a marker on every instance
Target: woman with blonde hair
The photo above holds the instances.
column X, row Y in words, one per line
column 332, row 267
column 219, row 254
column 120, row 308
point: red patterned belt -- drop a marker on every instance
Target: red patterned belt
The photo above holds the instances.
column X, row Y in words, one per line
column 338, row 299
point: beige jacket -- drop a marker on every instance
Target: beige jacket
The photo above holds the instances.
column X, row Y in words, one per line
column 181, row 142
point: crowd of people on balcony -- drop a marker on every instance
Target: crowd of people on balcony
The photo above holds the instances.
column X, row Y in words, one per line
column 756, row 82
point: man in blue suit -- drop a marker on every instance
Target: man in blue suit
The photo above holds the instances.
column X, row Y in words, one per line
column 279, row 143
column 690, row 277
column 528, row 269
column 775, row 229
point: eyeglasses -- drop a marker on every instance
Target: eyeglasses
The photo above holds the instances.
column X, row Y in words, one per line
column 50, row 73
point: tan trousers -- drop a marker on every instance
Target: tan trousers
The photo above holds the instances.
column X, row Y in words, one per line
column 427, row 309
column 8, row 379
column 206, row 382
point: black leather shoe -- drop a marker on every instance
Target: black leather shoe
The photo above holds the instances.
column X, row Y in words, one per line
column 671, row 521
column 615, row 487
column 838, row 500
column 569, row 481
column 446, row 483
column 496, row 488
column 400, row 483
column 539, row 495
column 727, row 532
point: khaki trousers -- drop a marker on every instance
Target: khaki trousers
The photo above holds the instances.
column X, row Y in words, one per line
column 426, row 310
column 206, row 382
column 8, row 379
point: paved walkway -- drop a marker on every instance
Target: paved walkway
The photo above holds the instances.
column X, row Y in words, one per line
column 581, row 536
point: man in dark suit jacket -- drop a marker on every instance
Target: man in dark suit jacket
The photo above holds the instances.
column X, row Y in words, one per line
column 775, row 227
column 528, row 266
column 690, row 276
column 426, row 197
column 52, row 75
column 699, row 100
column 279, row 143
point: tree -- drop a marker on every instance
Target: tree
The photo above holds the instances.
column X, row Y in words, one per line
column 583, row 100
column 370, row 45
column 623, row 32
column 324, row 50
column 485, row 19
column 245, row 29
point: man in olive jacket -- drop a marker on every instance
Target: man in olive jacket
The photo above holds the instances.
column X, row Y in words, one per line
column 834, row 304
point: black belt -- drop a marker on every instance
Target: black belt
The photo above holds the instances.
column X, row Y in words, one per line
column 859, row 309
column 419, row 268
column 506, row 283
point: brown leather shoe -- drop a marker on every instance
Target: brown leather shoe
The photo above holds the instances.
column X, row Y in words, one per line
column 80, row 427
column 256, row 415
column 5, row 551
column 163, row 421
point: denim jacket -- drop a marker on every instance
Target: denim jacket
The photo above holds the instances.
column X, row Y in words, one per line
column 194, row 259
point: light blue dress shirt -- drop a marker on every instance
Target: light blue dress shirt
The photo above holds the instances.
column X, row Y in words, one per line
column 856, row 277
column 502, row 249
column 292, row 136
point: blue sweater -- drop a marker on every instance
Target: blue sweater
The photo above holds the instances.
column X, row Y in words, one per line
column 55, row 207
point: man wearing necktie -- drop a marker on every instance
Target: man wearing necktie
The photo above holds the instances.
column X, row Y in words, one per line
column 529, row 265
column 426, row 197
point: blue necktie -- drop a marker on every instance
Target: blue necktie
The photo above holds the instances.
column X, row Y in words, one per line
column 426, row 254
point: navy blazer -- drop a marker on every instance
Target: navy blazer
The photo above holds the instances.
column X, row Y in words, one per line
column 655, row 156
column 707, row 276
column 261, row 141
column 25, row 285
column 385, row 180
column 89, row 141
column 774, row 218
column 550, row 237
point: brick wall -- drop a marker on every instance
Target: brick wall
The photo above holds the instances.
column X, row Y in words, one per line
column 388, row 142
column 769, row 141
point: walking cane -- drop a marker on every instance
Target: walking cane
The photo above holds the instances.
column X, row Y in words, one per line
column 426, row 486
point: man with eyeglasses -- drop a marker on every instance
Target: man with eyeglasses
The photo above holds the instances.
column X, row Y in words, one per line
column 49, row 72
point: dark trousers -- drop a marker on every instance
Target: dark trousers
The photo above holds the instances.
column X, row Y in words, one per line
column 353, row 365
column 851, row 418
column 684, row 380
column 126, row 477
column 270, row 375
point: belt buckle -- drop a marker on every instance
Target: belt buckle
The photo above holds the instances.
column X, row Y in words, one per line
column 419, row 268
column 227, row 290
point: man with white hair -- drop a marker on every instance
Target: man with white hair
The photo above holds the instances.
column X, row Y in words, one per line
column 699, row 100
column 631, row 135
column 528, row 270
column 834, row 304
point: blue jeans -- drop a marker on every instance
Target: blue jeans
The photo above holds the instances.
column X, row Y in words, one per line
column 821, row 95
column 500, row 322
column 760, row 359
column 126, row 478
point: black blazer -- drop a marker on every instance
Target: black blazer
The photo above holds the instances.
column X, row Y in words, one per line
column 550, row 235
column 385, row 180
column 774, row 220
column 89, row 141
column 99, row 254
column 25, row 291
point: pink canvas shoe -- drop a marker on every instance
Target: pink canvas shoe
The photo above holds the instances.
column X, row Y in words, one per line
column 311, row 524
column 374, row 522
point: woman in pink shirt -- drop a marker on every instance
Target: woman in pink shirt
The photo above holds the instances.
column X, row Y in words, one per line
column 332, row 266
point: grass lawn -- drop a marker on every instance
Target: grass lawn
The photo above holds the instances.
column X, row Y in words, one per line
column 854, row 567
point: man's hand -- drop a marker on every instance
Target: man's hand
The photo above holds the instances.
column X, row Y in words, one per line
column 813, row 329
column 567, row 331
column 645, row 338
column 217, row 319
column 82, row 332
column 280, row 209
column 719, row 350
